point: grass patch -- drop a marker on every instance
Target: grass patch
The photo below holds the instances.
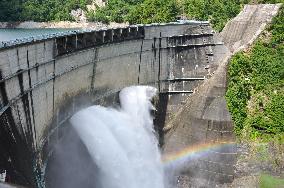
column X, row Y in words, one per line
column 267, row 181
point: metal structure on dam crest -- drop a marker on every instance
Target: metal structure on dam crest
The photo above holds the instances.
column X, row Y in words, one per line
column 44, row 81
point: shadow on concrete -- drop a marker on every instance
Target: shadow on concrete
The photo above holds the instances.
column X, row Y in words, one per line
column 160, row 116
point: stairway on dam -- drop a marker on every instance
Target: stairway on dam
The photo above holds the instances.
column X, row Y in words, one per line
column 43, row 82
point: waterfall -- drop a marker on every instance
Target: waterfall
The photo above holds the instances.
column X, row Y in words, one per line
column 121, row 142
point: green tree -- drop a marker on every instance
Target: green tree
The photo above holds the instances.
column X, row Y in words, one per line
column 153, row 12
column 51, row 10
column 115, row 11
column 218, row 12
column 10, row 10
column 255, row 94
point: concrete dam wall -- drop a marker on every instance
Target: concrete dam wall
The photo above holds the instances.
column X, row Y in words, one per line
column 44, row 82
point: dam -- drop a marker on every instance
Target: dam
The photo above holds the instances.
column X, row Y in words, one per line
column 45, row 80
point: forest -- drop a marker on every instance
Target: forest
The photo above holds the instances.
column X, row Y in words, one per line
column 255, row 94
column 218, row 12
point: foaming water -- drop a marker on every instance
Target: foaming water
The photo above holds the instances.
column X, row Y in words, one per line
column 122, row 142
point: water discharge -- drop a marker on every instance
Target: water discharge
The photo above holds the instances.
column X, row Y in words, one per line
column 122, row 142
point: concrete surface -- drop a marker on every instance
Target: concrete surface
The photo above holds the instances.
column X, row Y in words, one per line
column 240, row 32
column 44, row 82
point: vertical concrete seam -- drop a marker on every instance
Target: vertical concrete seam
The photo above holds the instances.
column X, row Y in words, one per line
column 20, row 122
column 46, row 90
column 18, row 60
column 94, row 69
column 53, row 88
column 140, row 59
column 32, row 102
column 25, row 101
column 159, row 59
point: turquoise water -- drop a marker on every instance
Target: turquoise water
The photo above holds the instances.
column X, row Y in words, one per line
column 7, row 35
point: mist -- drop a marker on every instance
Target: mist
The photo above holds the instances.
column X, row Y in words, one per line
column 117, row 148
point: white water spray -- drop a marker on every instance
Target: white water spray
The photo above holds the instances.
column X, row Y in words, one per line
column 122, row 142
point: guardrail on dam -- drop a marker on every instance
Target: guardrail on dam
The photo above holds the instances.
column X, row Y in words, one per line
column 44, row 82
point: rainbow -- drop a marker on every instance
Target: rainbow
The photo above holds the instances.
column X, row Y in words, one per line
column 193, row 152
